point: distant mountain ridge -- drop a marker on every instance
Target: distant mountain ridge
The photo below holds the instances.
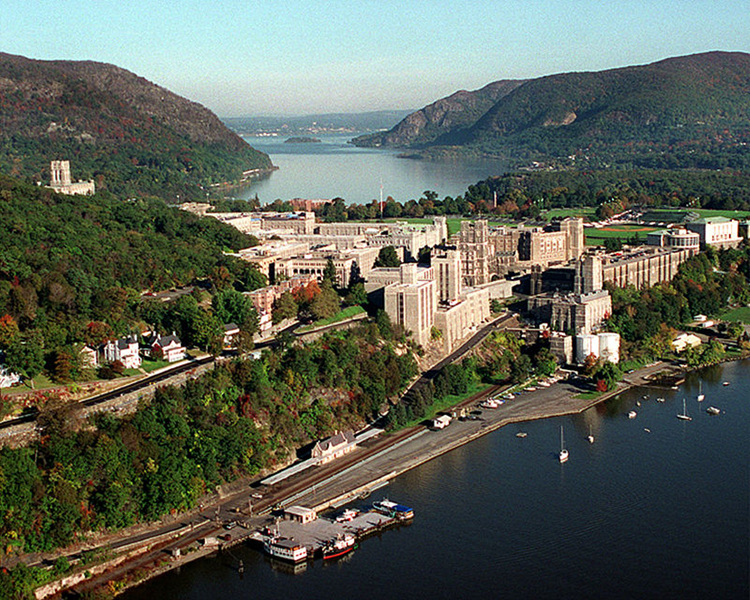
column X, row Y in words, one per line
column 689, row 111
column 448, row 115
column 133, row 136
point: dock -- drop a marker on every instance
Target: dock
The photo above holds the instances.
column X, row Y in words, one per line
column 315, row 534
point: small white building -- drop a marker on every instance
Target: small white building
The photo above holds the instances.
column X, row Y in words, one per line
column 8, row 377
column 301, row 514
column 231, row 331
column 89, row 357
column 684, row 341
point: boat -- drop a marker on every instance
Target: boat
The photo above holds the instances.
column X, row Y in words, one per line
column 632, row 414
column 338, row 546
column 563, row 456
column 490, row 403
column 701, row 396
column 285, row 549
column 521, row 434
column 347, row 515
column 683, row 415
column 391, row 509
column 590, row 436
column 647, row 430
column 660, row 399
column 712, row 410
column 726, row 383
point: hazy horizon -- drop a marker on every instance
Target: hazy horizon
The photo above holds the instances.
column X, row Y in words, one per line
column 298, row 59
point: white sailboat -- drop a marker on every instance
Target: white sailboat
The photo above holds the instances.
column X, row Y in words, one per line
column 590, row 436
column 684, row 416
column 563, row 456
column 701, row 396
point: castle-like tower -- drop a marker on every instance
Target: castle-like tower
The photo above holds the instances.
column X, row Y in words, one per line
column 60, row 173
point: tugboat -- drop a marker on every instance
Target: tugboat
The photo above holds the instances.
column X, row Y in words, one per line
column 338, row 546
column 391, row 509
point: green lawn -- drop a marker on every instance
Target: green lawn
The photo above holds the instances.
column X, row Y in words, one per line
column 741, row 314
column 447, row 403
column 587, row 212
column 152, row 365
column 41, row 382
column 624, row 232
column 347, row 313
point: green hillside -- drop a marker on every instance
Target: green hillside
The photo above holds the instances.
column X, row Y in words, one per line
column 129, row 135
column 691, row 111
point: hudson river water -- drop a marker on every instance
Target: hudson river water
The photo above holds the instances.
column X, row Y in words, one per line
column 333, row 168
column 660, row 514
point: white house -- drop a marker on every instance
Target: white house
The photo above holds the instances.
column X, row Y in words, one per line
column 684, row 341
column 7, row 377
column 124, row 350
column 89, row 357
column 171, row 347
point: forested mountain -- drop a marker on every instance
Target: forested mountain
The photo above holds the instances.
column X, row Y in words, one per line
column 691, row 111
column 455, row 113
column 73, row 266
column 128, row 134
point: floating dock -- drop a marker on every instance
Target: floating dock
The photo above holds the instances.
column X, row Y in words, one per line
column 316, row 534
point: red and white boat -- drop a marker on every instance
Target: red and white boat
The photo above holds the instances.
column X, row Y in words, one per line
column 338, row 546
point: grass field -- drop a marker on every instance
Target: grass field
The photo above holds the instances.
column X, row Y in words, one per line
column 741, row 314
column 624, row 232
column 587, row 212
column 676, row 215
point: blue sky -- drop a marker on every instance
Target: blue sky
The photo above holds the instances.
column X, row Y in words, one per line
column 292, row 57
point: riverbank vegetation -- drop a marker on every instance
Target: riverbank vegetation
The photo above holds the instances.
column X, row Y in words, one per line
column 234, row 421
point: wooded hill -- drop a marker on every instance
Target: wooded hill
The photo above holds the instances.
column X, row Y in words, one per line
column 690, row 111
column 128, row 134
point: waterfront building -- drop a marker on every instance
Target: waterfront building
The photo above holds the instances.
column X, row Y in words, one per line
column 301, row 514
column 61, row 181
column 718, row 232
column 336, row 446
column 604, row 346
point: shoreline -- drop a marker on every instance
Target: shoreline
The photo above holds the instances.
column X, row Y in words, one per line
column 526, row 409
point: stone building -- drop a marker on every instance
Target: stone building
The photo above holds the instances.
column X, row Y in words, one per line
column 644, row 266
column 412, row 301
column 490, row 253
column 61, row 181
column 576, row 313
column 674, row 238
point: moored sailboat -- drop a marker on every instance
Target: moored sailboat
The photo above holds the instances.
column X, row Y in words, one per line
column 683, row 415
column 563, row 456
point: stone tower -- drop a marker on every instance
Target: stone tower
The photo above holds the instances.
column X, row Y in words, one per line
column 448, row 275
column 60, row 173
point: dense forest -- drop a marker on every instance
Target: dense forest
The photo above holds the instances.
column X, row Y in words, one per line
column 129, row 135
column 77, row 269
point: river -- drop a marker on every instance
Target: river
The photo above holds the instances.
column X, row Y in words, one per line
column 333, row 168
column 661, row 513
